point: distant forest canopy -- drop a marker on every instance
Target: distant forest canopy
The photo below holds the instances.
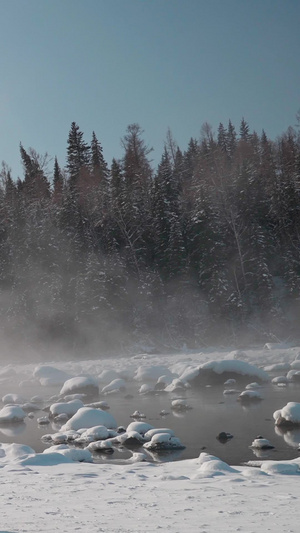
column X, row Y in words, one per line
column 204, row 249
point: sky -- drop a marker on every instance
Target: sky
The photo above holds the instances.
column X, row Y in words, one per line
column 164, row 64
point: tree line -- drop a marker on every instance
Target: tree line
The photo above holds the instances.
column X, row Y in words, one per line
column 202, row 249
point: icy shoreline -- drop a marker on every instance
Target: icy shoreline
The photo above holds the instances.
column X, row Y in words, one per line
column 203, row 494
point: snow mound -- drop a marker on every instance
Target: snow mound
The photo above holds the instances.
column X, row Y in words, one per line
column 262, row 444
column 176, row 385
column 12, row 398
column 163, row 441
column 80, row 384
column 235, row 366
column 139, row 427
column 87, row 417
column 249, row 396
column 14, row 452
column 146, row 388
column 74, row 454
column 180, row 405
column 45, row 459
column 277, row 366
column 12, row 413
column 49, row 375
column 211, row 466
column 151, row 373
column 107, row 376
column 279, row 380
column 94, row 434
column 68, row 408
column 156, row 431
column 284, row 467
column 114, row 386
column 288, row 415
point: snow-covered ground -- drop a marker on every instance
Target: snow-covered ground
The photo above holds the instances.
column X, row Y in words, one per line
column 54, row 492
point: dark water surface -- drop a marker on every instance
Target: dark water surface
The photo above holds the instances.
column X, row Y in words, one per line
column 211, row 413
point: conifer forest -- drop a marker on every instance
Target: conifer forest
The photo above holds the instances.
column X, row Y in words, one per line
column 204, row 249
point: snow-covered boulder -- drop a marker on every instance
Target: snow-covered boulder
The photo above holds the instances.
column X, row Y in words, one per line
column 252, row 386
column 176, row 385
column 11, row 414
column 249, row 396
column 140, row 427
column 180, row 405
column 107, row 376
column 138, row 415
column 262, row 444
column 295, row 365
column 49, row 375
column 67, row 408
column 156, row 431
column 61, row 438
column 279, row 380
column 146, row 388
column 277, row 366
column 80, row 384
column 117, row 385
column 101, row 446
column 293, row 375
column 229, row 392
column 163, row 441
column 93, row 434
column 87, row 417
column 217, row 371
column 288, row 416
column 151, row 373
column 12, row 398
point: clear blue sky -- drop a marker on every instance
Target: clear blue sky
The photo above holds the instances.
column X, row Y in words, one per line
column 162, row 63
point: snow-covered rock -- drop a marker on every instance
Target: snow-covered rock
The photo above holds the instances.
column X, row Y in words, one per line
column 12, row 413
column 93, row 434
column 216, row 371
column 80, row 384
column 140, row 427
column 68, row 408
column 151, row 373
column 180, row 404
column 12, row 398
column 249, row 396
column 146, row 388
column 163, row 441
column 288, row 416
column 87, row 417
column 293, row 375
column 49, row 375
column 262, row 444
column 279, row 380
column 116, row 385
column 157, row 431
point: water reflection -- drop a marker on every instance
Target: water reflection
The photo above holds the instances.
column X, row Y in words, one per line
column 12, row 430
column 291, row 436
column 262, row 454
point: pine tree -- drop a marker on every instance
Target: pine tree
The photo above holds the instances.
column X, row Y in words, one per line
column 78, row 155
column 244, row 131
column 35, row 186
column 231, row 140
column 58, row 183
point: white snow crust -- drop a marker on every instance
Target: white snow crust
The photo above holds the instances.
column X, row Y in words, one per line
column 60, row 490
